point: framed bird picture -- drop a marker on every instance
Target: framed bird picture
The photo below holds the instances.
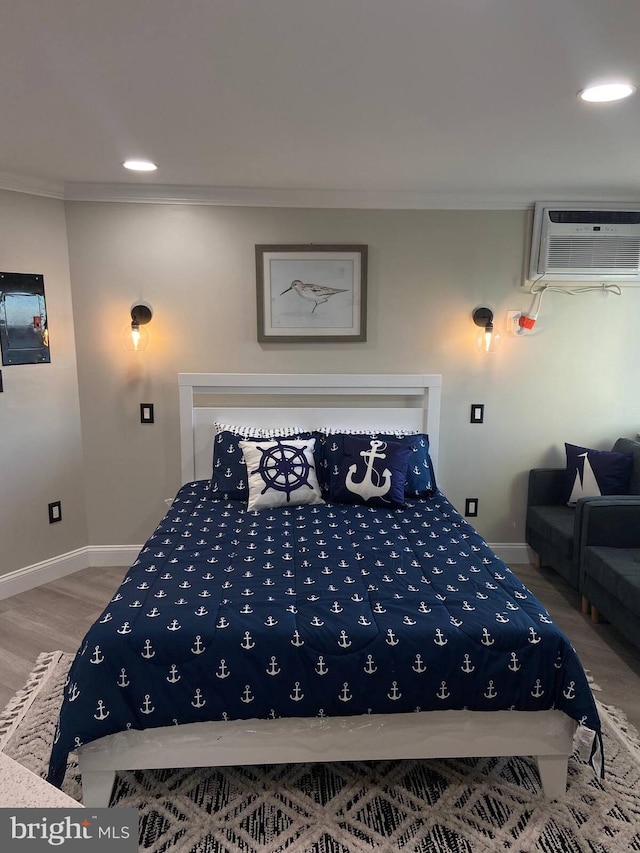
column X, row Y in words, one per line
column 311, row 293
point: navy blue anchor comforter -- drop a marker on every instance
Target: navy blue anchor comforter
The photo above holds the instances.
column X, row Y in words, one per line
column 314, row 611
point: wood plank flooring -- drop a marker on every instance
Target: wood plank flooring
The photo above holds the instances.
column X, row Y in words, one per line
column 58, row 614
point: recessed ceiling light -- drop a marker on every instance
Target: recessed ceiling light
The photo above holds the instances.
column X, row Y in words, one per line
column 140, row 165
column 602, row 92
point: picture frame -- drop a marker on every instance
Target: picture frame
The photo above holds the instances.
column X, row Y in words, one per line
column 309, row 293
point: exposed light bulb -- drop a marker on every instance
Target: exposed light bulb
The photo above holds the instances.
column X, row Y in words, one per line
column 135, row 335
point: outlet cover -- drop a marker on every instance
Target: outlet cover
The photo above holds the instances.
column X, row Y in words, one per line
column 55, row 512
column 471, row 507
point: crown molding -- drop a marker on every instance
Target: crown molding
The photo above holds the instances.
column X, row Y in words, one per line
column 309, row 198
column 31, row 186
column 149, row 193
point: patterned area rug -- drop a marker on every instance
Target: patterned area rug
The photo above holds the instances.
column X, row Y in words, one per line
column 452, row 806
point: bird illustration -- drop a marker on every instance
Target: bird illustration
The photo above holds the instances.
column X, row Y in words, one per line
column 317, row 293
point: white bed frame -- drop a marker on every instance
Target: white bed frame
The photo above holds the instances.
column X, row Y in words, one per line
column 386, row 402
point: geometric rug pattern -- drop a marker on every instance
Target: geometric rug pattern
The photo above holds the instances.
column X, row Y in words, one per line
column 479, row 805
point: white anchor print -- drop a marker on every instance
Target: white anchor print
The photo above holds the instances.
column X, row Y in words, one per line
column 247, row 696
column 394, row 695
column 487, row 639
column 490, row 692
column 247, row 641
column 345, row 694
column 467, row 666
column 370, row 666
column 570, row 692
column 537, row 689
column 123, row 680
column 173, row 676
column 147, row 707
column 98, row 657
column 321, row 668
column 515, row 664
column 344, row 640
column 297, row 695
column 440, row 639
column 198, row 701
column 74, row 692
column 197, row 647
column 223, row 671
column 443, row 693
column 147, row 650
column 533, row 637
column 297, row 639
column 391, row 638
column 273, row 668
column 101, row 714
column 419, row 666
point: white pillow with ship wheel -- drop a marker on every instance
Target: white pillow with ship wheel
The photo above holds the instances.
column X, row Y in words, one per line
column 281, row 472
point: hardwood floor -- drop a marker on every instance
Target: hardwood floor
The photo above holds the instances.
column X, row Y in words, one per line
column 58, row 614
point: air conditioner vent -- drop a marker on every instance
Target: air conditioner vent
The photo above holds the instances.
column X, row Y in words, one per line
column 589, row 253
column 596, row 217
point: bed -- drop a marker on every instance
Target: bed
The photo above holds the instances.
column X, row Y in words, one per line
column 316, row 619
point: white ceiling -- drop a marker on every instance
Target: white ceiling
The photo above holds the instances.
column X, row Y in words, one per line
column 407, row 103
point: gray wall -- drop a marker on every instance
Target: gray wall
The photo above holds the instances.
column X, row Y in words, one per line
column 40, row 436
column 71, row 432
column 575, row 379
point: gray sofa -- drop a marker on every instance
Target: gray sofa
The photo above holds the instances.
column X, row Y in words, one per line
column 595, row 546
column 610, row 564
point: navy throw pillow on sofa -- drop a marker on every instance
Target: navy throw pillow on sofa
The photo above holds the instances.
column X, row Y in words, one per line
column 591, row 473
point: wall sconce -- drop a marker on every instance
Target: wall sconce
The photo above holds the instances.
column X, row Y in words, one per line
column 487, row 340
column 136, row 336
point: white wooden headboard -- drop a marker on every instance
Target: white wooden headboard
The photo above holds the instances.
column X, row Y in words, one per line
column 307, row 400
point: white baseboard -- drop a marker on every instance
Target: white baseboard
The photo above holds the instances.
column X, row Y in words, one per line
column 90, row 556
column 513, row 552
column 101, row 556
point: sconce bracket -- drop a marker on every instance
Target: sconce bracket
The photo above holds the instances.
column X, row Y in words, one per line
column 141, row 314
column 483, row 317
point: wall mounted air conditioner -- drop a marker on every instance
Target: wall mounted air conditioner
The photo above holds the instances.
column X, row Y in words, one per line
column 585, row 242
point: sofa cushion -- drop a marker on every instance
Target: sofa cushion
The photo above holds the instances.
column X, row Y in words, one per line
column 591, row 473
column 617, row 570
column 628, row 445
column 555, row 525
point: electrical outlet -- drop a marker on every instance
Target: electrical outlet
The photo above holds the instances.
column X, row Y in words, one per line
column 55, row 512
column 512, row 321
column 471, row 507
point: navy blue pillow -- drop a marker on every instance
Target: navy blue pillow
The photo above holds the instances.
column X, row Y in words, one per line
column 591, row 473
column 371, row 472
column 229, row 478
column 420, row 478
